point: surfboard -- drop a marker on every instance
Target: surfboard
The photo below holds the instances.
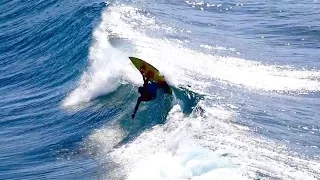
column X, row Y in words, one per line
column 151, row 73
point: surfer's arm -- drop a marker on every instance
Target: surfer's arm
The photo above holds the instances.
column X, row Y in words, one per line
column 142, row 74
column 136, row 108
column 145, row 80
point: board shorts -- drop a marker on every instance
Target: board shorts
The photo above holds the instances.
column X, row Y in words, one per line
column 148, row 93
column 152, row 88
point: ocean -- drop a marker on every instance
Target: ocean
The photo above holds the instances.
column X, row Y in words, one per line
column 245, row 77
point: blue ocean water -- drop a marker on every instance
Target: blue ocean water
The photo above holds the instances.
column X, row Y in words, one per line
column 245, row 75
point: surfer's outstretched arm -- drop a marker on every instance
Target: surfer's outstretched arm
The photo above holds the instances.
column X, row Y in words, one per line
column 136, row 108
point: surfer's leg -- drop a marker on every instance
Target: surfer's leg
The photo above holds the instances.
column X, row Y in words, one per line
column 136, row 108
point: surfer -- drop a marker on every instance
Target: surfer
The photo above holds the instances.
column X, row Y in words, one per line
column 147, row 92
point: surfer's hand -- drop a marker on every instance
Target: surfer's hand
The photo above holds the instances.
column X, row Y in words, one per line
column 142, row 73
column 132, row 116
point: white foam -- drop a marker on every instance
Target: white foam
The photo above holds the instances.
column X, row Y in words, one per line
column 207, row 147
column 106, row 137
column 186, row 64
column 171, row 152
column 188, row 162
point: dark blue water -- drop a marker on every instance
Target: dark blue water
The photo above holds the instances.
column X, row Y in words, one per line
column 245, row 75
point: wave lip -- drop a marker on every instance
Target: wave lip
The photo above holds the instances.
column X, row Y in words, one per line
column 103, row 74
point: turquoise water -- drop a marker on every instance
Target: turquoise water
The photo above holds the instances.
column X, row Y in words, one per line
column 245, row 76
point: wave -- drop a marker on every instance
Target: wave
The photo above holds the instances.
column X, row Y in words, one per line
column 105, row 72
column 203, row 145
column 184, row 64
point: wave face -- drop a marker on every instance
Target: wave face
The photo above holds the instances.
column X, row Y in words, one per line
column 246, row 84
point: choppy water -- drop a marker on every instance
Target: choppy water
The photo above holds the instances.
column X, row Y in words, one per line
column 245, row 74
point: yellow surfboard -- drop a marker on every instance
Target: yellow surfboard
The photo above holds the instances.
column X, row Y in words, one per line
column 151, row 73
